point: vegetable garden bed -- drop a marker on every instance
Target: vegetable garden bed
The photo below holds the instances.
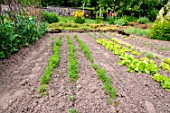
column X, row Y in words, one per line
column 86, row 77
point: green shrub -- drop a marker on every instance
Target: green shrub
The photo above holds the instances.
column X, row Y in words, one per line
column 143, row 20
column 13, row 37
column 137, row 31
column 160, row 30
column 49, row 17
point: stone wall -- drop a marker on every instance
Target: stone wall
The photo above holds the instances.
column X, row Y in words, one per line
column 63, row 11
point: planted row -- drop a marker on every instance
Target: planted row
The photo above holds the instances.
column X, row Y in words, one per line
column 127, row 47
column 84, row 48
column 143, row 65
column 73, row 67
column 53, row 61
column 163, row 80
column 165, row 65
column 107, row 86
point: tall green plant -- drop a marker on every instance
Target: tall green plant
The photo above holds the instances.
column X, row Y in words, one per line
column 22, row 33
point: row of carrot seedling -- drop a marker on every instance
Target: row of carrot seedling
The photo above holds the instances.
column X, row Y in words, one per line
column 53, row 61
column 107, row 86
column 72, row 68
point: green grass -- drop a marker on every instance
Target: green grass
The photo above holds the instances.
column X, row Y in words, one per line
column 73, row 67
column 53, row 61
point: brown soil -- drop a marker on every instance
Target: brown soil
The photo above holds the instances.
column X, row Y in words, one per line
column 20, row 74
column 159, row 47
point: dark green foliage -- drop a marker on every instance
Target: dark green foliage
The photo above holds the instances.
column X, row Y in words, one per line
column 12, row 37
column 160, row 30
column 49, row 17
column 143, row 20
column 53, row 61
column 73, row 67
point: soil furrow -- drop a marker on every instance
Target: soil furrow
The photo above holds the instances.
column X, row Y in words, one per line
column 136, row 92
column 56, row 101
column 22, row 88
column 90, row 96
column 159, row 47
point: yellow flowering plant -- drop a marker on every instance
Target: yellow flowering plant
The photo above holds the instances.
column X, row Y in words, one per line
column 79, row 17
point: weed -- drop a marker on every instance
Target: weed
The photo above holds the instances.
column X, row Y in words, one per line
column 116, row 103
column 149, row 55
column 72, row 110
column 72, row 97
column 164, row 49
column 42, row 89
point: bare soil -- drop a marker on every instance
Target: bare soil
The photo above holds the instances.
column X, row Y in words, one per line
column 20, row 74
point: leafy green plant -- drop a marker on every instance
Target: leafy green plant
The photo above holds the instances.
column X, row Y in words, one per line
column 164, row 81
column 133, row 64
column 143, row 20
column 73, row 67
column 53, row 61
column 165, row 66
column 140, row 66
column 25, row 32
column 49, row 17
column 160, row 30
column 167, row 60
